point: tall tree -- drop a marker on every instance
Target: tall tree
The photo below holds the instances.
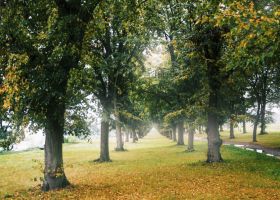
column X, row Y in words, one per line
column 114, row 49
column 44, row 43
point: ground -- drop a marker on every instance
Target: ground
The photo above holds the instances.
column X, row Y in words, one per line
column 270, row 140
column 154, row 168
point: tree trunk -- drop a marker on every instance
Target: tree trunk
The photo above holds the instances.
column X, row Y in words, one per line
column 262, row 116
column 200, row 129
column 54, row 176
column 180, row 129
column 214, row 141
column 256, row 123
column 127, row 136
column 170, row 134
column 213, row 135
column 221, row 128
column 231, row 130
column 174, row 137
column 119, row 138
column 191, row 138
column 134, row 136
column 104, row 138
column 244, row 127
column 212, row 52
column 263, row 102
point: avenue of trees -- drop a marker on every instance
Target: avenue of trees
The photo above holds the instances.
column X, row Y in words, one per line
column 58, row 57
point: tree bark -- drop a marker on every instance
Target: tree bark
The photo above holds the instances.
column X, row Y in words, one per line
column 191, row 138
column 231, row 130
column 174, row 137
column 104, row 138
column 54, row 176
column 256, row 123
column 180, row 129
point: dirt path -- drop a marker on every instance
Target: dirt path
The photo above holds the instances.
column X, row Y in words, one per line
column 256, row 147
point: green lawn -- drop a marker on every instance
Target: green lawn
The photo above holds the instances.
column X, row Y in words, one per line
column 154, row 168
column 272, row 139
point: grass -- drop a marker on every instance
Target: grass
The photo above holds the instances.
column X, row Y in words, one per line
column 272, row 139
column 154, row 168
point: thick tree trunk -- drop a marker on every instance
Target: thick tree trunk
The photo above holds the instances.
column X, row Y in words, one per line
column 214, row 141
column 213, row 135
column 54, row 176
column 212, row 52
column 256, row 122
column 231, row 129
column 104, row 138
column 191, row 138
column 244, row 126
column 180, row 129
column 174, row 137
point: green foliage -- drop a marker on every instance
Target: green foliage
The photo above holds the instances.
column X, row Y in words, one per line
column 9, row 137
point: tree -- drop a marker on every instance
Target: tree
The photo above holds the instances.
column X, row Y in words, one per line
column 252, row 49
column 42, row 53
column 114, row 49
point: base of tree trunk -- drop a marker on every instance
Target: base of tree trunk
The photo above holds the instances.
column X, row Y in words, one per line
column 53, row 183
column 119, row 149
column 190, row 150
column 99, row 160
column 180, row 143
column 232, row 137
column 215, row 161
column 264, row 133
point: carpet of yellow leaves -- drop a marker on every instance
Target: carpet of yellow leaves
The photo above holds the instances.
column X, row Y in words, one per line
column 155, row 168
